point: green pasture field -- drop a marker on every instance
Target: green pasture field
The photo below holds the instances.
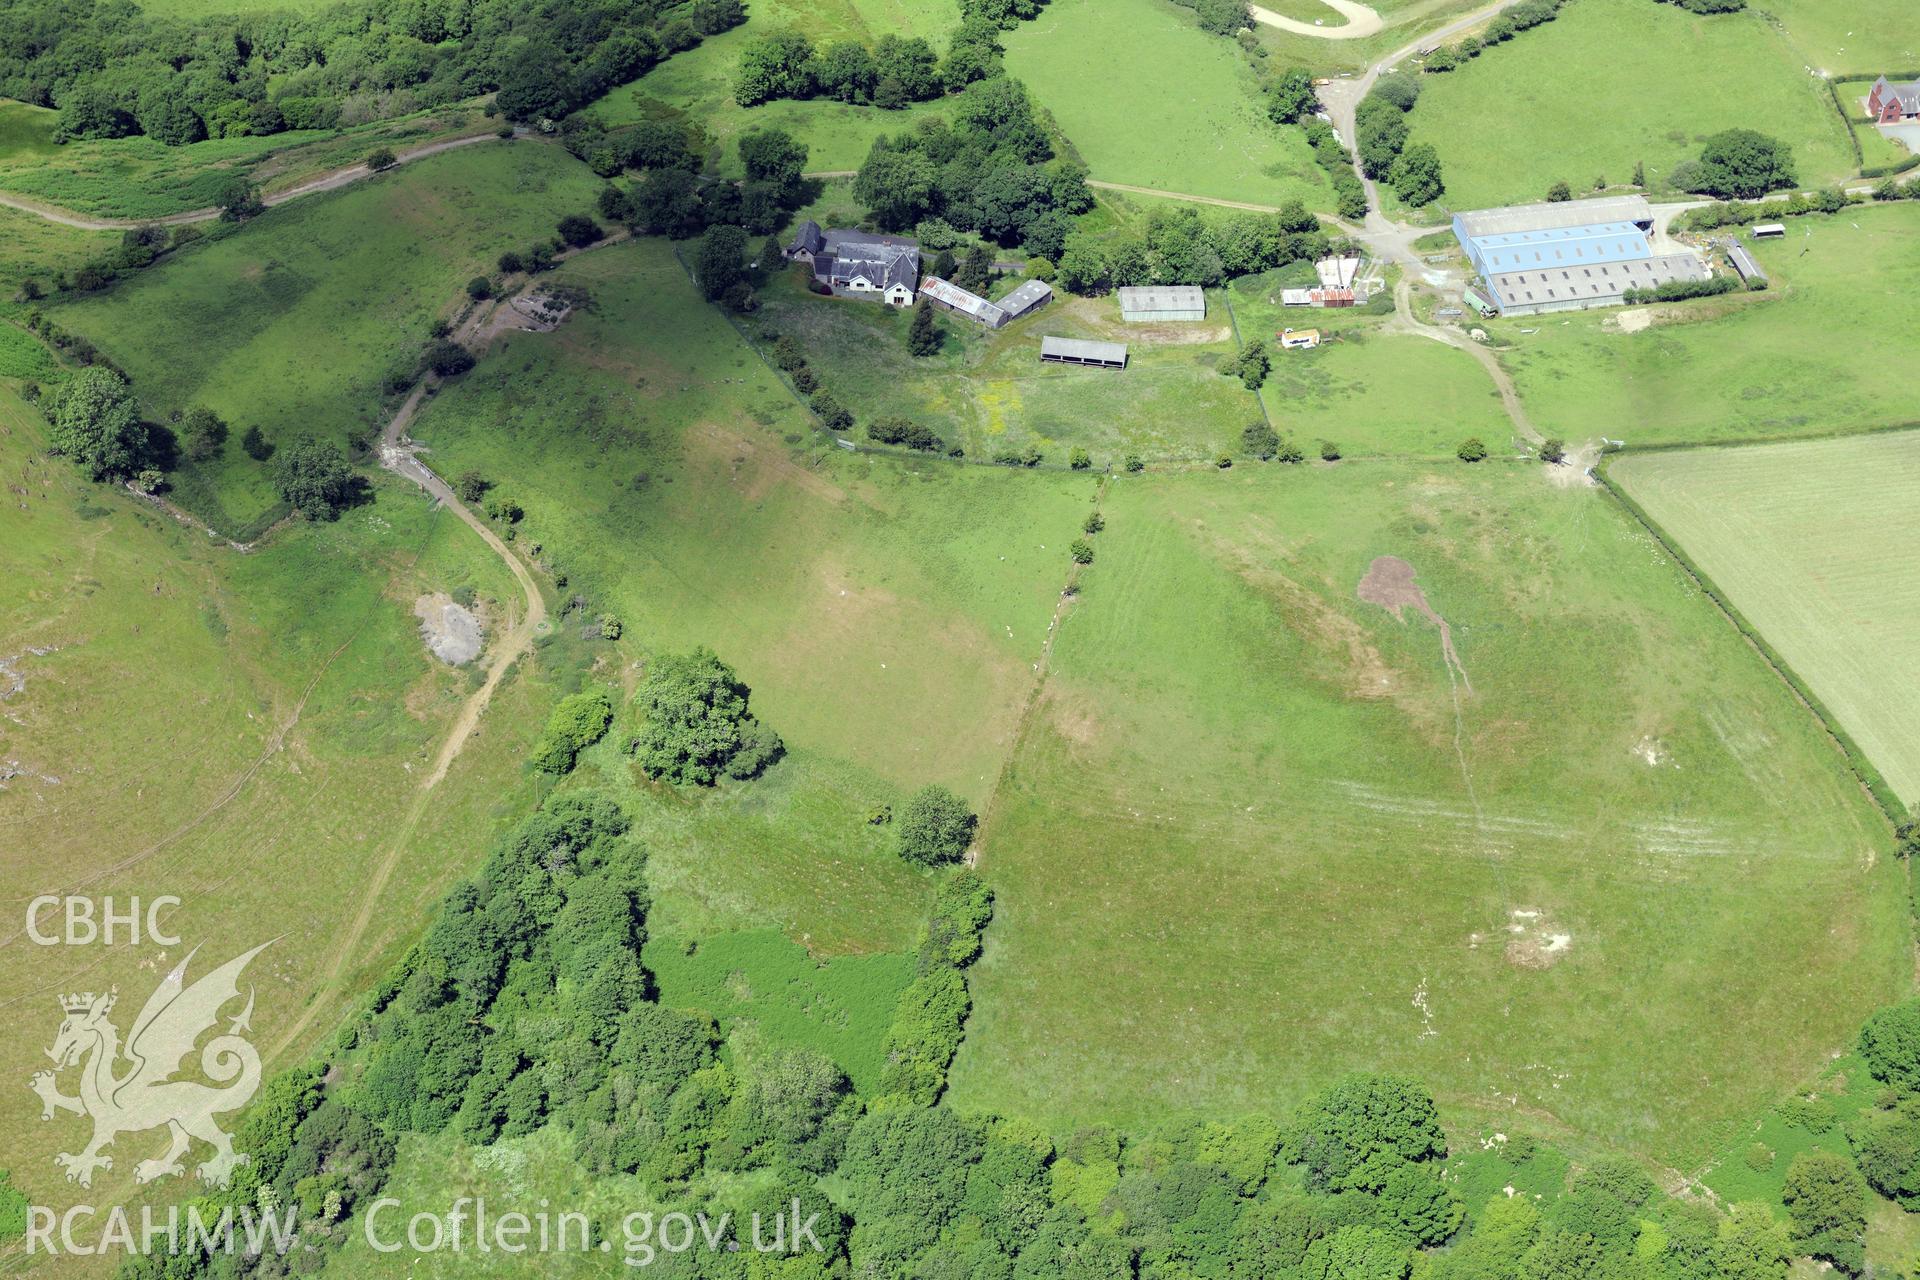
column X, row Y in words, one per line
column 1369, row 390
column 1804, row 358
column 1810, row 540
column 886, row 612
column 32, row 247
column 1383, row 393
column 1660, row 79
column 764, row 980
column 294, row 323
column 1850, row 37
column 140, row 178
column 26, row 133
column 1255, row 835
column 245, row 732
column 696, row 88
column 988, row 391
column 1164, row 105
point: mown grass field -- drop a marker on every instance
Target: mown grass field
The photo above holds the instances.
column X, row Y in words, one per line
column 696, row 88
column 1164, row 105
column 245, row 732
column 886, row 613
column 1805, row 358
column 294, row 323
column 988, row 391
column 1810, row 540
column 1255, row 835
column 1369, row 390
column 1662, row 79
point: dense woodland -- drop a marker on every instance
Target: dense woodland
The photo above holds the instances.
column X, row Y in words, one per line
column 114, row 70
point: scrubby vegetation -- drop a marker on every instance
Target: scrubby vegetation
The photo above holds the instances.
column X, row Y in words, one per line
column 578, row 721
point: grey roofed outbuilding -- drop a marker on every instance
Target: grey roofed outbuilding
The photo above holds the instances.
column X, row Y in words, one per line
column 1550, row 214
column 1745, row 263
column 1029, row 295
column 806, row 239
column 1163, row 301
column 1107, row 355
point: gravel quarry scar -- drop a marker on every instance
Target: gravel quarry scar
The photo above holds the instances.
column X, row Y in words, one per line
column 1390, row 584
column 451, row 632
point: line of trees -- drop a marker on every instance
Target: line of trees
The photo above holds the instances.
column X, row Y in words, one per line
column 895, row 72
column 1509, row 23
column 1380, row 124
column 1830, row 200
column 1180, row 246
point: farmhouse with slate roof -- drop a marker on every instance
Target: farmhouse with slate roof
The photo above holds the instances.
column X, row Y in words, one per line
column 859, row 264
column 1890, row 103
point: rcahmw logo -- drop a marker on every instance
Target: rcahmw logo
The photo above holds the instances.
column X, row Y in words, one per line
column 169, row 1230
column 143, row 1093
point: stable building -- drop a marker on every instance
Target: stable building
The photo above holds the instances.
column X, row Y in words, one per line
column 1154, row 304
column 859, row 264
column 1029, row 297
column 1096, row 355
column 1568, row 255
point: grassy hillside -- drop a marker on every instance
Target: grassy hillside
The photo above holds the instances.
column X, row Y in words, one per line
column 1612, row 83
column 1256, row 833
column 1805, row 358
column 294, row 323
column 1164, row 105
column 885, row 614
column 245, row 732
column 1807, row 540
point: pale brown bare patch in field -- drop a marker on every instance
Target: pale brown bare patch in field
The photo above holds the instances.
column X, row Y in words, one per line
column 1073, row 718
column 755, row 469
column 1389, row 583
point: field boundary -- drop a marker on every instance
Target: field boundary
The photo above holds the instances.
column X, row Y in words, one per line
column 1869, row 778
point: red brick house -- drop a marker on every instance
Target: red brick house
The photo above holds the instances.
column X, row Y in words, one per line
column 1890, row 103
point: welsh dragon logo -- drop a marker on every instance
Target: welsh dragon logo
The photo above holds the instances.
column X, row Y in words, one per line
column 130, row 1088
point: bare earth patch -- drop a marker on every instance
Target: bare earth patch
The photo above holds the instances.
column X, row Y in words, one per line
column 1390, row 584
column 1533, row 941
column 451, row 632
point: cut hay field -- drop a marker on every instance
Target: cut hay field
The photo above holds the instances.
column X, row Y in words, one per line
column 696, row 88
column 1662, row 80
column 1813, row 541
column 245, row 732
column 1256, row 832
column 293, row 323
column 1805, row 358
column 885, row 613
column 1164, row 105
column 988, row 391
